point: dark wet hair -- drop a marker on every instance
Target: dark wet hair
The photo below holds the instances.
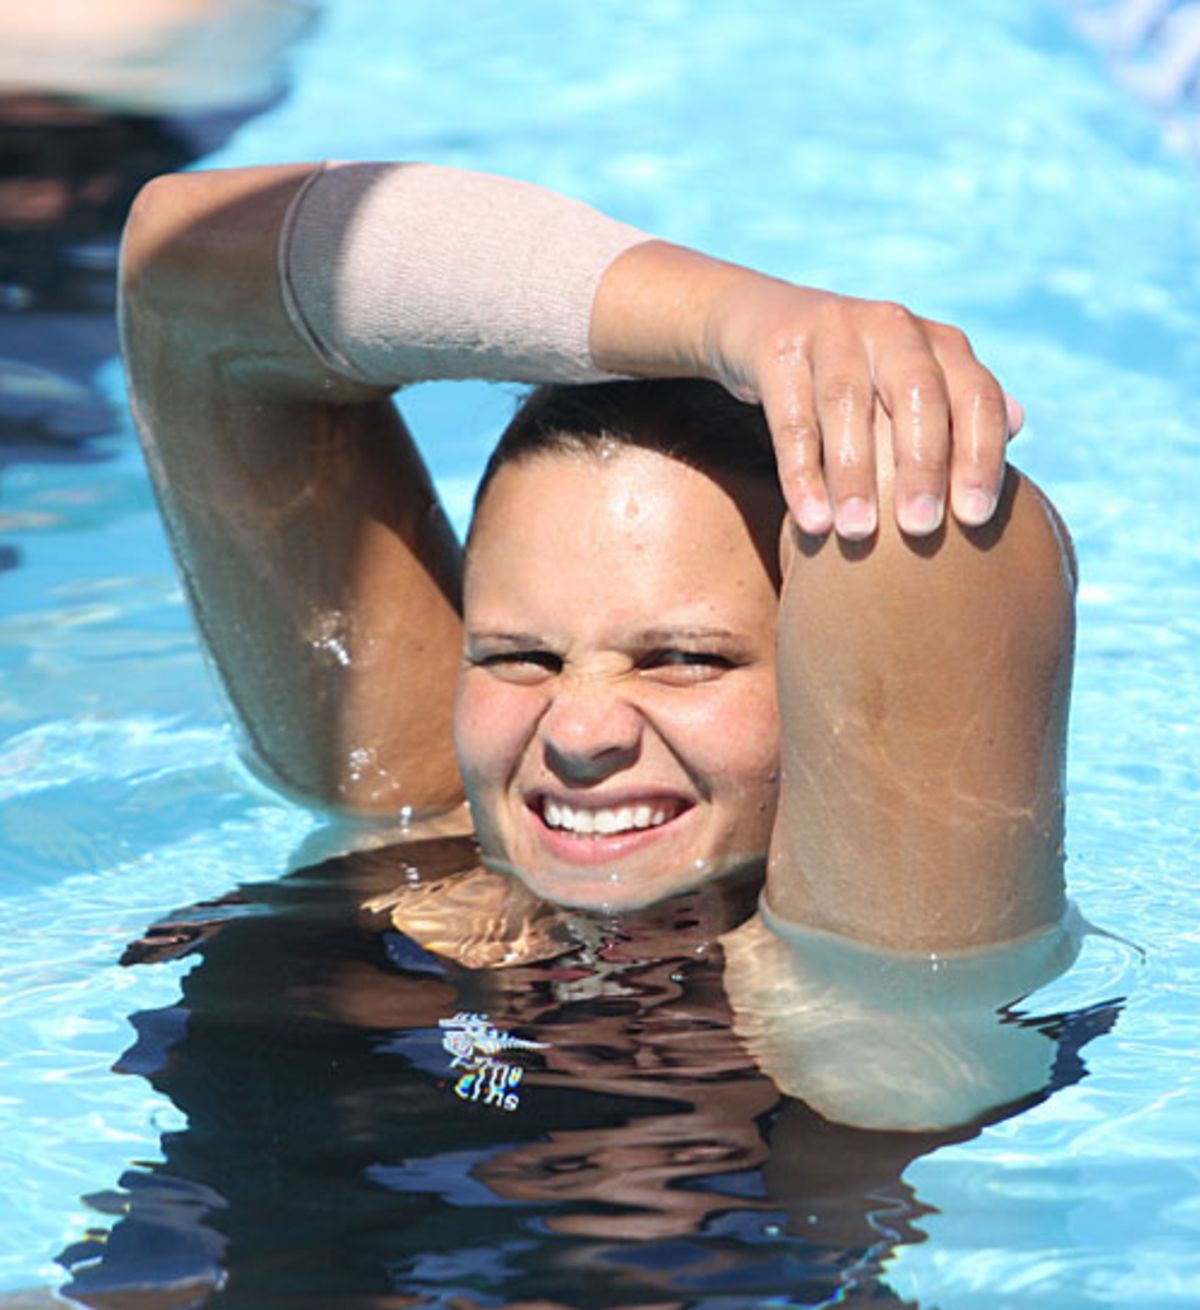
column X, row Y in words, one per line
column 691, row 420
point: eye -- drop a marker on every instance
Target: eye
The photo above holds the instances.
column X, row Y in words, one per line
column 681, row 667
column 523, row 666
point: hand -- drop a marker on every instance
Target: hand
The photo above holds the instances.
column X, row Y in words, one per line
column 818, row 363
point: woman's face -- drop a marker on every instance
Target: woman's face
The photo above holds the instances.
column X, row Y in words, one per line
column 616, row 722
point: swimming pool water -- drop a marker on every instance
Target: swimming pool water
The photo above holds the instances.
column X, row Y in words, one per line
column 978, row 163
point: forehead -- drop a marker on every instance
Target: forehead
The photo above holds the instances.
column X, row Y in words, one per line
column 621, row 528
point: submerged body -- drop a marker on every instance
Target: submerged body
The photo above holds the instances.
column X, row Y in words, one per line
column 370, row 1108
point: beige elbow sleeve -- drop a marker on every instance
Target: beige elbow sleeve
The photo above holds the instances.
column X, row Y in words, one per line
column 399, row 272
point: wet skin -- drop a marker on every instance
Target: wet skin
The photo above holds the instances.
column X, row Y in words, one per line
column 616, row 721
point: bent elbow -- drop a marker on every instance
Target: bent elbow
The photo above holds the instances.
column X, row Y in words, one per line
column 151, row 227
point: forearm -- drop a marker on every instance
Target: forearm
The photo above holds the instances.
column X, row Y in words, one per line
column 387, row 273
column 653, row 309
column 394, row 272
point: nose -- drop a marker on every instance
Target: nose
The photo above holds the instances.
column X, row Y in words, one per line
column 589, row 731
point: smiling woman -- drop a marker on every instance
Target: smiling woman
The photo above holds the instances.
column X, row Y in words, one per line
column 621, row 724
column 620, row 743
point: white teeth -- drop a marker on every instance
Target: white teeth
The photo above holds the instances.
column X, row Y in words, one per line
column 605, row 822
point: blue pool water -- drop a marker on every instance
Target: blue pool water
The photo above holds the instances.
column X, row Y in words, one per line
column 978, row 162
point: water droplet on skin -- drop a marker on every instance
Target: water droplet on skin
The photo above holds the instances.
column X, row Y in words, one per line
column 358, row 762
column 329, row 636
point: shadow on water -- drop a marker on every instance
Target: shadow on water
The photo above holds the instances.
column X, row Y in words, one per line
column 346, row 1144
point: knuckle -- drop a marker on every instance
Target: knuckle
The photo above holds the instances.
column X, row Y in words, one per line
column 797, row 430
column 894, row 314
column 787, row 346
column 833, row 311
column 843, row 391
column 927, row 460
column 797, row 444
column 925, row 385
column 988, row 406
column 951, row 339
column 801, row 461
column 850, row 464
column 934, row 464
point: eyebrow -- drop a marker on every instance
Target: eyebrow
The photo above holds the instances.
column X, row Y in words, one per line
column 508, row 638
column 665, row 636
column 648, row 636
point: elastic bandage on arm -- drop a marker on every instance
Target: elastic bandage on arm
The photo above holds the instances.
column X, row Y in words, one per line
column 399, row 272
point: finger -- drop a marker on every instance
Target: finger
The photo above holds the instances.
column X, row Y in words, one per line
column 980, row 425
column 787, row 400
column 980, row 438
column 845, row 401
column 1016, row 415
column 913, row 389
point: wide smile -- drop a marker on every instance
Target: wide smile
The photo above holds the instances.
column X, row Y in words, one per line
column 594, row 833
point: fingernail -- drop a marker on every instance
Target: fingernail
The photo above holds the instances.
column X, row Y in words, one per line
column 856, row 517
column 922, row 513
column 815, row 517
column 977, row 506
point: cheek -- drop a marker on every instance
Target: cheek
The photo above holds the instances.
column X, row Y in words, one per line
column 751, row 753
column 730, row 739
column 493, row 724
column 750, row 781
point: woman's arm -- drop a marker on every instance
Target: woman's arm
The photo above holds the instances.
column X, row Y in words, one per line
column 924, row 689
column 822, row 366
column 319, row 566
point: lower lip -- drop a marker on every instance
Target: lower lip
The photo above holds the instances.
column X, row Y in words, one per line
column 573, row 848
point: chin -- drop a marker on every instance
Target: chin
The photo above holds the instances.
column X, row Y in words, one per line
column 620, row 886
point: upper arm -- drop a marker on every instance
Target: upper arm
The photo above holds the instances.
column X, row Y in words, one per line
column 924, row 687
column 322, row 576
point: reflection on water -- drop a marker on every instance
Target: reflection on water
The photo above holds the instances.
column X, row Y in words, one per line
column 808, row 1004
column 330, row 1157
column 94, row 101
